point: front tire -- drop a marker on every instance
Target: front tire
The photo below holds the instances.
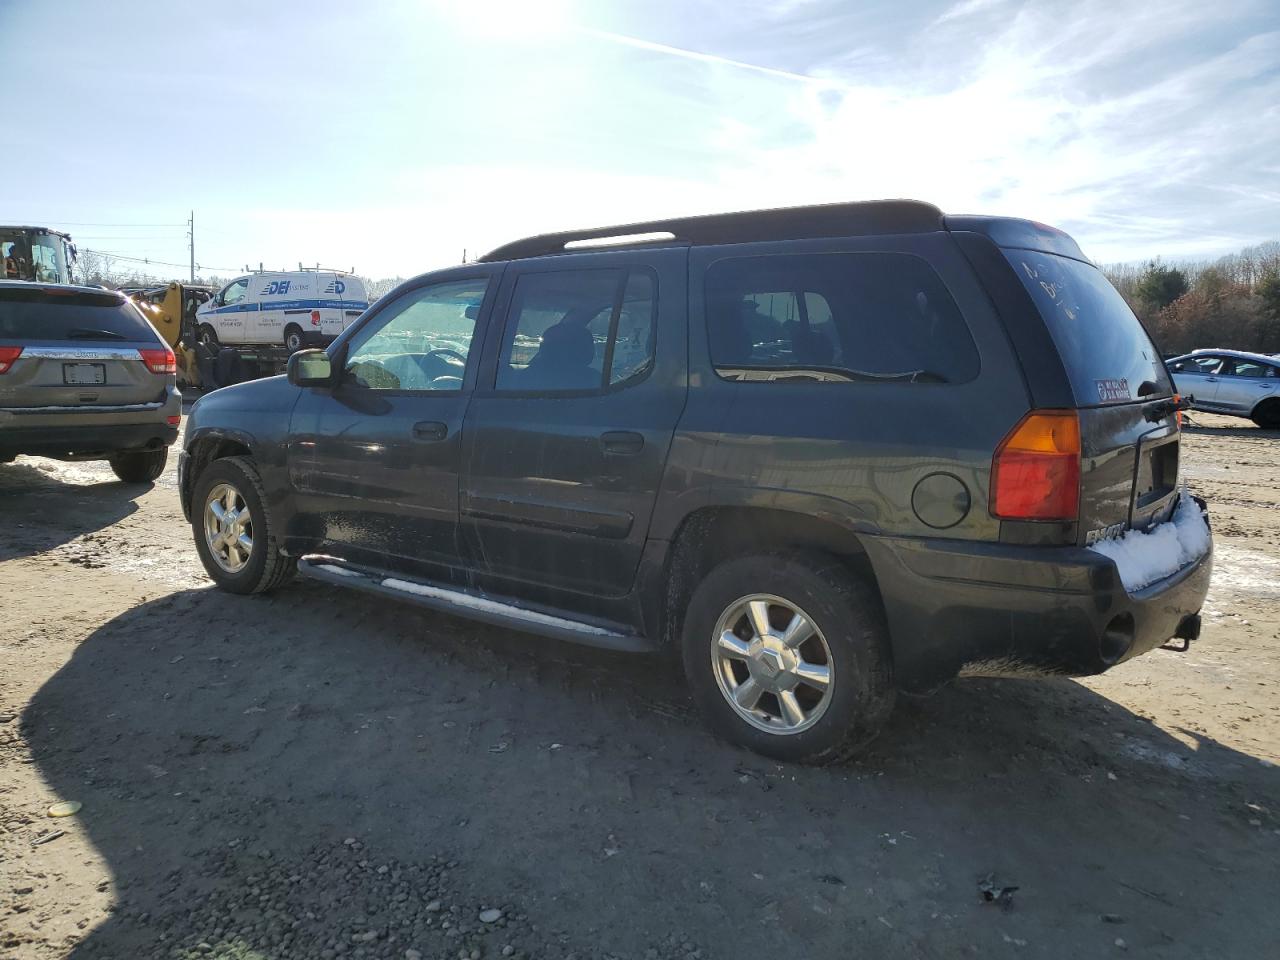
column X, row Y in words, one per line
column 142, row 466
column 209, row 337
column 789, row 656
column 235, row 537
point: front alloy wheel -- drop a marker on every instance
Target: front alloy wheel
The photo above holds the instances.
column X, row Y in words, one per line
column 772, row 664
column 228, row 527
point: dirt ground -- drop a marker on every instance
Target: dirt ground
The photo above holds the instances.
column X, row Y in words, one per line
column 319, row 774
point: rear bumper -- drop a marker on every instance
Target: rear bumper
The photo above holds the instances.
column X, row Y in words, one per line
column 966, row 609
column 89, row 433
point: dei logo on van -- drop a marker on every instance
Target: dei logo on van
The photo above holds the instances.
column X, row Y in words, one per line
column 276, row 288
column 336, row 286
column 1112, row 389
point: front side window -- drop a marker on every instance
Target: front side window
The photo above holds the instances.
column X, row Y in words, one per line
column 1205, row 365
column 835, row 318
column 235, row 291
column 578, row 330
column 419, row 342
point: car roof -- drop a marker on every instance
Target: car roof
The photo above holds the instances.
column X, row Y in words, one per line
column 818, row 221
column 1223, row 352
column 56, row 287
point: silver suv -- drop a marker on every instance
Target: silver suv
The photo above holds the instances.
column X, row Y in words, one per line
column 84, row 376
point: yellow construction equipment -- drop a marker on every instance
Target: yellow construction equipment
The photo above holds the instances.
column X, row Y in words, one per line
column 172, row 311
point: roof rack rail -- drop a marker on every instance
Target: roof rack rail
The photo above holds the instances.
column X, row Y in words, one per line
column 862, row 218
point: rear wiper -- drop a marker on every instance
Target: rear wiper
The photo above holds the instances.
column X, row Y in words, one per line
column 84, row 333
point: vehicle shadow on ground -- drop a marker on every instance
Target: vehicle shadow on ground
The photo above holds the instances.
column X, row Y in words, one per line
column 64, row 510
column 218, row 741
column 1245, row 430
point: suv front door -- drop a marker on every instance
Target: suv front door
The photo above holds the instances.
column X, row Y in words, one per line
column 566, row 438
column 374, row 460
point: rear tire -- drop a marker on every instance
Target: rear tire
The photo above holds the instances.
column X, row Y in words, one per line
column 1267, row 415
column 293, row 338
column 238, row 542
column 815, row 700
column 142, row 466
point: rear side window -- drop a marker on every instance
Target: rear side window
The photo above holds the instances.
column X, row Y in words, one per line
column 578, row 330
column 37, row 314
column 835, row 318
column 1108, row 356
column 1252, row 369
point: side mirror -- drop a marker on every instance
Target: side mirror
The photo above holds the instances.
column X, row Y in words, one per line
column 310, row 368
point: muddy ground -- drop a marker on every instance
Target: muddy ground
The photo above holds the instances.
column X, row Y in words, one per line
column 319, row 774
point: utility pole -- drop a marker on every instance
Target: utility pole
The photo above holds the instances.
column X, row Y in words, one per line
column 191, row 245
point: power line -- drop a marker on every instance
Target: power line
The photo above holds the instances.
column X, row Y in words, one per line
column 159, row 263
column 73, row 223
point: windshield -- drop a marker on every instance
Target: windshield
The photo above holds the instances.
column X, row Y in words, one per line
column 1107, row 354
column 31, row 255
column 41, row 315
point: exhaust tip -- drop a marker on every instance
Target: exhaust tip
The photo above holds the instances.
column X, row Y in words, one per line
column 1116, row 639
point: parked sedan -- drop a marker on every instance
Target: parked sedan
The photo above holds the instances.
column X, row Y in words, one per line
column 83, row 376
column 1233, row 382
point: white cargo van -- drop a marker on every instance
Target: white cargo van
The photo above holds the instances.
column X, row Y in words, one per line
column 295, row 309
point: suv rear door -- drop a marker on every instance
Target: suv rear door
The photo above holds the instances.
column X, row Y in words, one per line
column 567, row 436
column 80, row 350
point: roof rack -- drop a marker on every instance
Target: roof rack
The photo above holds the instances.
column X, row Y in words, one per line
column 865, row 218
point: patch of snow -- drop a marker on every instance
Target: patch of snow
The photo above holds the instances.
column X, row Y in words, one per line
column 84, row 408
column 1145, row 557
column 492, row 606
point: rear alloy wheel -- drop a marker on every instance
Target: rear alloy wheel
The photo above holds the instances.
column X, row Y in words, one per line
column 1267, row 415
column 234, row 535
column 142, row 466
column 293, row 338
column 789, row 656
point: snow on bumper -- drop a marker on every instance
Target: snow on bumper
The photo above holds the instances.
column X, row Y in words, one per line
column 1143, row 557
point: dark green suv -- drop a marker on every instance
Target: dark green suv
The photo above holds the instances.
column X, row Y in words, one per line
column 821, row 453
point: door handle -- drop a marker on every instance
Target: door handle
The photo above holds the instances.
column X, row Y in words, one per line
column 622, row 442
column 430, row 430
column 1212, row 379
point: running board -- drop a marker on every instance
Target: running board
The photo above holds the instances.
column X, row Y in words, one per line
column 473, row 606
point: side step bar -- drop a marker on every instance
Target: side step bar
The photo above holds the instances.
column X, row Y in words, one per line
column 473, row 606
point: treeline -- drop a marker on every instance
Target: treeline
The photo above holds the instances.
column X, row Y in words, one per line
column 1232, row 302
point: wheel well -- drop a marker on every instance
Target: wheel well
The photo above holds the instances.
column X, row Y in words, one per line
column 709, row 536
column 206, row 450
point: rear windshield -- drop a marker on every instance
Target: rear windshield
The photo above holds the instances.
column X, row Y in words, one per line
column 45, row 315
column 1108, row 356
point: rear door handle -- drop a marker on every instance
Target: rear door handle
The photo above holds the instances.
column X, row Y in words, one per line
column 622, row 442
column 430, row 430
column 1212, row 379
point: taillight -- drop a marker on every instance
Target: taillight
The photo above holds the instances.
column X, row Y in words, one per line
column 1035, row 474
column 159, row 361
column 7, row 356
column 315, row 318
column 174, row 420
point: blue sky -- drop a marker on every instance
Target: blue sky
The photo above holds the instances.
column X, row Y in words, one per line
column 389, row 136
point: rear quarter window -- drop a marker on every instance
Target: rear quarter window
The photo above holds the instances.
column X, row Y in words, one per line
column 1106, row 352
column 835, row 318
column 44, row 315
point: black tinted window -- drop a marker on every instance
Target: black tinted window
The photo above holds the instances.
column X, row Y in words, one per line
column 1107, row 354
column 835, row 317
column 35, row 314
column 577, row 330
